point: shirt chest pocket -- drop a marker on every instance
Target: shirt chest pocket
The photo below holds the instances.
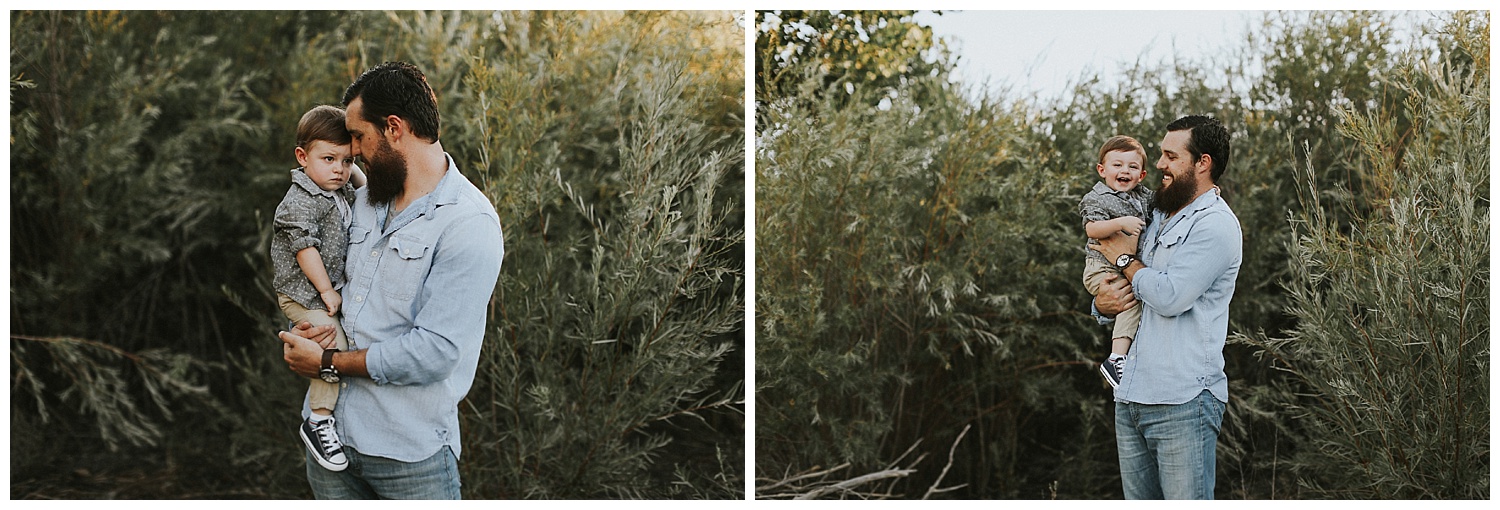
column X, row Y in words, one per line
column 404, row 266
column 359, row 248
column 1166, row 245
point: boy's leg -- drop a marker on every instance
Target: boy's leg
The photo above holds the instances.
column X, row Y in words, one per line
column 293, row 310
column 322, row 396
column 318, row 432
column 1094, row 272
column 1126, row 324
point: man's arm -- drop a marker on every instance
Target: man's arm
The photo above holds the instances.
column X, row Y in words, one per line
column 452, row 304
column 305, row 357
column 1196, row 264
column 1211, row 248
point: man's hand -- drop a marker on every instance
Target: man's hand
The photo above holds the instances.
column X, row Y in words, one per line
column 1114, row 246
column 1114, row 296
column 302, row 348
column 323, row 335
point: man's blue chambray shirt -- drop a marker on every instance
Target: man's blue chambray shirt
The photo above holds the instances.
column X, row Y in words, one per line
column 417, row 296
column 1191, row 261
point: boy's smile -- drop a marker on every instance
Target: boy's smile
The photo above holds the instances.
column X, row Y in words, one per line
column 1122, row 170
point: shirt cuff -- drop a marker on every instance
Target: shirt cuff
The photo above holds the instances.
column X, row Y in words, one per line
column 303, row 243
column 1094, row 310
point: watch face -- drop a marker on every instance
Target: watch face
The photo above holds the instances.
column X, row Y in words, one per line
column 328, row 376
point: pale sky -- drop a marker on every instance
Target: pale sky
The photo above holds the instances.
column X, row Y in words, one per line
column 1042, row 51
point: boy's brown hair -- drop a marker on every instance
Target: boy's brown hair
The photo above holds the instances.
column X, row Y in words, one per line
column 324, row 123
column 1122, row 143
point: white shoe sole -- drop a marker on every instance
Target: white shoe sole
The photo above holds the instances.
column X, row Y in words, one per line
column 313, row 450
column 1104, row 370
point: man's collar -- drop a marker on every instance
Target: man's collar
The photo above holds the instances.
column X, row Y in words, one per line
column 1204, row 201
column 447, row 189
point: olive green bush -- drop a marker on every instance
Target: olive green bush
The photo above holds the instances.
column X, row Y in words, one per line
column 149, row 149
column 919, row 257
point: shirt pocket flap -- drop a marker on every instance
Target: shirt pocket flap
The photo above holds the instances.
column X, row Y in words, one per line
column 358, row 234
column 1173, row 237
column 408, row 248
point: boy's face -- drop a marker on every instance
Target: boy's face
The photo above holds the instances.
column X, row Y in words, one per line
column 328, row 164
column 1122, row 170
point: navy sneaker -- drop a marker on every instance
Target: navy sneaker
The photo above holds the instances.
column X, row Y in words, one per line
column 323, row 442
column 1112, row 372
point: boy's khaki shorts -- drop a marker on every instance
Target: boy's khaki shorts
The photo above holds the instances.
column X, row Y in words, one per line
column 1094, row 272
column 320, row 394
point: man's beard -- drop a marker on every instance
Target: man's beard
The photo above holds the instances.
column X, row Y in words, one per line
column 387, row 179
column 1173, row 197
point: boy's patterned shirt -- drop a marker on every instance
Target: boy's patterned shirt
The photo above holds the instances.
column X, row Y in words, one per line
column 309, row 216
column 1103, row 203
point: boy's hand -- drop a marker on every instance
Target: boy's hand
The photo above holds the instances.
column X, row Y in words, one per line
column 1131, row 225
column 332, row 299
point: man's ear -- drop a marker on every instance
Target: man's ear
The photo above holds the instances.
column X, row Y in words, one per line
column 1205, row 163
column 394, row 126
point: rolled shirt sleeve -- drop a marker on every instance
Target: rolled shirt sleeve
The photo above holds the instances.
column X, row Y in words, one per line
column 1202, row 254
column 465, row 266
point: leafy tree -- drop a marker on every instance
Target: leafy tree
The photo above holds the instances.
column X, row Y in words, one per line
column 149, row 149
column 873, row 223
column 1391, row 346
column 847, row 50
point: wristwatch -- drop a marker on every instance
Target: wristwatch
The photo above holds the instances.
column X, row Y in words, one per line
column 327, row 372
column 1124, row 260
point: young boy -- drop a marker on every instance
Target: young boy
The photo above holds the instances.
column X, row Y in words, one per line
column 307, row 250
column 1118, row 204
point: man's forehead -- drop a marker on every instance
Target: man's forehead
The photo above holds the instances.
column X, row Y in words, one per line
column 1175, row 141
column 353, row 114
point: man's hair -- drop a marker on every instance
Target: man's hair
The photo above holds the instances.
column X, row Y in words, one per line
column 1205, row 136
column 325, row 123
column 400, row 89
column 1122, row 143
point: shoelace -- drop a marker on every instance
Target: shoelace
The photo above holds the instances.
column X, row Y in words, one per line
column 327, row 436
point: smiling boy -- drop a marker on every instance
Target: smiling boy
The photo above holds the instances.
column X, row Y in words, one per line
column 1116, row 204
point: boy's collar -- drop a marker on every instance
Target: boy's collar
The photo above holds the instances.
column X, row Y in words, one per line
column 300, row 178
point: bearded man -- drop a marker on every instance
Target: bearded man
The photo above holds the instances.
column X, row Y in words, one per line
column 1169, row 405
column 425, row 248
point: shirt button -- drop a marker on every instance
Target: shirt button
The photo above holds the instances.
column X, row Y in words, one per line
column 359, row 298
column 346, row 385
column 374, row 253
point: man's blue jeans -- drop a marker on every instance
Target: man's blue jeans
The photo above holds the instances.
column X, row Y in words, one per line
column 371, row 477
column 1167, row 451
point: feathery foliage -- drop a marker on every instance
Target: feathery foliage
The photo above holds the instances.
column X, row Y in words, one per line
column 919, row 259
column 149, row 149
